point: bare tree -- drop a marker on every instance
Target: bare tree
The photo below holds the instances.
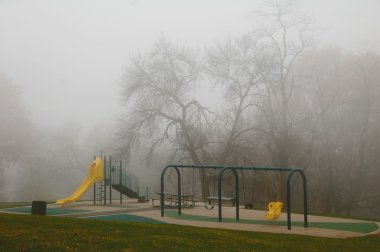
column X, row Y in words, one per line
column 280, row 37
column 283, row 36
column 256, row 73
column 235, row 66
column 160, row 87
column 283, row 106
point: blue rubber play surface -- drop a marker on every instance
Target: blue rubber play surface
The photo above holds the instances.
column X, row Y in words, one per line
column 359, row 227
column 49, row 211
column 126, row 217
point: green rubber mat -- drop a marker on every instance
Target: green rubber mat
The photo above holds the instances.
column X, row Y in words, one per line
column 362, row 227
column 49, row 211
column 126, row 217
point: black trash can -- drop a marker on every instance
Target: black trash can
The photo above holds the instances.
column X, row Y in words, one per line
column 38, row 207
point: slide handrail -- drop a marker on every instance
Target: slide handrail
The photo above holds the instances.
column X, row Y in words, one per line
column 125, row 178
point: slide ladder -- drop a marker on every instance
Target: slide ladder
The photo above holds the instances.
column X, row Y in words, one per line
column 100, row 189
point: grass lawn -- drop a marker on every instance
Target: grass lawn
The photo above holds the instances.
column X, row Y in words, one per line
column 44, row 233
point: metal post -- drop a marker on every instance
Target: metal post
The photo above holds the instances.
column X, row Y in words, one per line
column 179, row 191
column 105, row 180
column 288, row 198
column 237, row 193
column 305, row 210
column 110, row 179
column 288, row 202
column 162, row 201
column 94, row 187
column 220, row 195
column 237, row 200
column 121, row 181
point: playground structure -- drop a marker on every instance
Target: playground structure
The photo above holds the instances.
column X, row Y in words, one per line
column 95, row 174
column 274, row 209
column 115, row 178
column 196, row 215
column 104, row 176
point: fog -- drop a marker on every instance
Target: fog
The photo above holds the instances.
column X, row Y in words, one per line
column 76, row 51
column 68, row 56
column 202, row 82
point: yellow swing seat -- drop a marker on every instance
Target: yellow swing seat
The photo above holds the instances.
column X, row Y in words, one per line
column 274, row 210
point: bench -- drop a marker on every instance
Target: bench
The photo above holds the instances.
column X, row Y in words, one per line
column 224, row 200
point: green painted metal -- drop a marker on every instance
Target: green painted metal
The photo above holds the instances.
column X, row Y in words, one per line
column 105, row 179
column 288, row 196
column 115, row 175
column 163, row 191
column 94, row 188
column 124, row 181
column 237, row 200
column 121, row 180
column 110, row 178
column 234, row 168
column 179, row 182
column 290, row 171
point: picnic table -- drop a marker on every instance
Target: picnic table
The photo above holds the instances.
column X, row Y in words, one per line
column 187, row 200
column 213, row 199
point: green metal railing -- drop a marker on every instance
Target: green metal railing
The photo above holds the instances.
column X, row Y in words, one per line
column 125, row 178
column 114, row 176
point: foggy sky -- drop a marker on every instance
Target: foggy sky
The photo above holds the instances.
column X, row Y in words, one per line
column 68, row 55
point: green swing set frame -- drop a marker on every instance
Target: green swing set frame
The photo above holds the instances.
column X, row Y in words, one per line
column 234, row 169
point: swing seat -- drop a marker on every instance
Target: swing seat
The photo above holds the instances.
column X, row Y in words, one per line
column 274, row 210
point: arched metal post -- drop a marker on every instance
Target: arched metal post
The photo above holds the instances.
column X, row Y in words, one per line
column 220, row 192
column 162, row 203
column 288, row 199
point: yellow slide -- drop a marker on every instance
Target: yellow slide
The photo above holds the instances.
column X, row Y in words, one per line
column 95, row 173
